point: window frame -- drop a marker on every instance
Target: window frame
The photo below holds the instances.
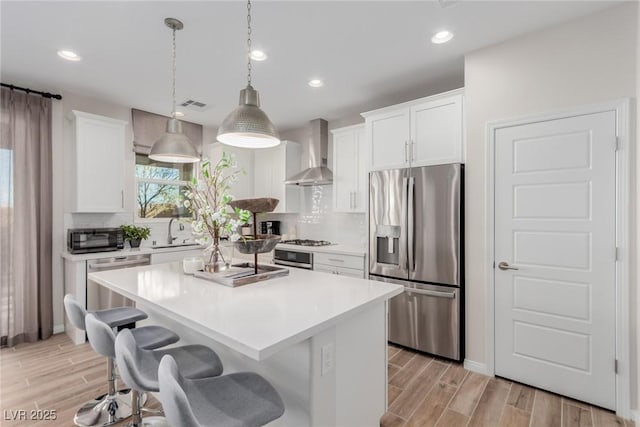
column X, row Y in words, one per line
column 175, row 183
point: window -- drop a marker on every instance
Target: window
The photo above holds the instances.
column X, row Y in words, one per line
column 160, row 188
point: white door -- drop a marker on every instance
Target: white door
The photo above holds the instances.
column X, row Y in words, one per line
column 555, row 224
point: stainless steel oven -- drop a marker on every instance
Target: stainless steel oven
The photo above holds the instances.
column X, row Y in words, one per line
column 290, row 258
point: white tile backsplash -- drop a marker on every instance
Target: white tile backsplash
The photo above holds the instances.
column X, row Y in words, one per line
column 318, row 221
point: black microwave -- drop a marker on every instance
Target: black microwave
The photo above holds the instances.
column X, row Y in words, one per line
column 85, row 240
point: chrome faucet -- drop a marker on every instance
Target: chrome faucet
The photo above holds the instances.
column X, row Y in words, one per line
column 170, row 238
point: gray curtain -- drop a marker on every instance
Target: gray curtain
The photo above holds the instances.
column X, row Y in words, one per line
column 26, row 312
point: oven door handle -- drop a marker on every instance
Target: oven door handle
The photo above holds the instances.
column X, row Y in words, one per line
column 293, row 264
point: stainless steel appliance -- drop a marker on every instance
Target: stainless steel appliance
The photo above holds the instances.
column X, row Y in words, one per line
column 270, row 227
column 99, row 297
column 416, row 239
column 298, row 259
column 85, row 240
column 306, row 242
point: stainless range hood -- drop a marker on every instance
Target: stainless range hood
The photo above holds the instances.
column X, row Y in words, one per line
column 317, row 173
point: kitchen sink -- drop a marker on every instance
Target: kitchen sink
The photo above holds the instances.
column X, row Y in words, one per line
column 174, row 245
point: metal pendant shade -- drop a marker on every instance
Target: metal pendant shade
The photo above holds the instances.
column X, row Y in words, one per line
column 248, row 126
column 174, row 146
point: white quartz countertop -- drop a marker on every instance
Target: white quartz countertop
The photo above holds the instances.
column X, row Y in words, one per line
column 128, row 252
column 339, row 249
column 258, row 319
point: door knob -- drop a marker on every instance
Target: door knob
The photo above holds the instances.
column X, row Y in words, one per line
column 503, row 265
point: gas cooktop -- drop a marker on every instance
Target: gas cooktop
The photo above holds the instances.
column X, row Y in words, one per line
column 306, row 242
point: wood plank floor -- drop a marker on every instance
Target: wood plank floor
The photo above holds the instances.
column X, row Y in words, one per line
column 426, row 391
column 423, row 391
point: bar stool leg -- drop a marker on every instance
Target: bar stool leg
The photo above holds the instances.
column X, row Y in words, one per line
column 108, row 409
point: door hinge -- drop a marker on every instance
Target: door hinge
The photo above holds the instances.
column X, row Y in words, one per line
column 615, row 366
column 617, row 146
column 617, row 253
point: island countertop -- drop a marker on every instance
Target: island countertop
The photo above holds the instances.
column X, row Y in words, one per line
column 257, row 320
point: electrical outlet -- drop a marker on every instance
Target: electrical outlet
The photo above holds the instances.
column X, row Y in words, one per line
column 327, row 359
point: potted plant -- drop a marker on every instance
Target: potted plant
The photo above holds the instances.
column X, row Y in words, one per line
column 208, row 200
column 134, row 235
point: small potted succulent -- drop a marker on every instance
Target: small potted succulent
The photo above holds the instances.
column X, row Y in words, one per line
column 135, row 234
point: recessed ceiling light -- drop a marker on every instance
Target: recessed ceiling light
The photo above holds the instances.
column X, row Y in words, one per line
column 258, row 55
column 441, row 37
column 179, row 114
column 316, row 83
column 69, row 55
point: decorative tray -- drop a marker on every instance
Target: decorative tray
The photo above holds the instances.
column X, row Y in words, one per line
column 243, row 274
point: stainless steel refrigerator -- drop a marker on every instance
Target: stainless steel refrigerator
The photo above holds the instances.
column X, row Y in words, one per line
column 416, row 240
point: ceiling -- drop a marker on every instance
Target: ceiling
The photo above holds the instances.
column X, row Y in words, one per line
column 369, row 53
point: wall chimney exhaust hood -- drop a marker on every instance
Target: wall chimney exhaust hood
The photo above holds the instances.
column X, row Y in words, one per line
column 317, row 173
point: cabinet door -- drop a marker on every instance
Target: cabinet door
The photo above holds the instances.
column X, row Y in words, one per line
column 387, row 134
column 99, row 148
column 243, row 187
column 263, row 172
column 361, row 195
column 345, row 170
column 272, row 166
column 436, row 132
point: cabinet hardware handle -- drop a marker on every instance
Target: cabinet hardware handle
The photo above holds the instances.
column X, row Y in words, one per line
column 336, row 259
column 122, row 199
column 412, row 152
column 406, row 144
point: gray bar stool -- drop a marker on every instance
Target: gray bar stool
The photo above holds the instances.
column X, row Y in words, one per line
column 114, row 405
column 139, row 367
column 241, row 399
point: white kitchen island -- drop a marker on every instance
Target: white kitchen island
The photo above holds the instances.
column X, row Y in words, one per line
column 320, row 339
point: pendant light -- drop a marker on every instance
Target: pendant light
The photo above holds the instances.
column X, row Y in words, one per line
column 174, row 146
column 248, row 126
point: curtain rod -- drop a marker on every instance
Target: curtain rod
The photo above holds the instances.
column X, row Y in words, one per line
column 37, row 92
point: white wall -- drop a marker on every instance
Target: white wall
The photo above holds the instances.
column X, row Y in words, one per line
column 588, row 60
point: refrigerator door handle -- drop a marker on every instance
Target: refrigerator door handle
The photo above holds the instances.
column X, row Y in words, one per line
column 403, row 261
column 437, row 294
column 411, row 224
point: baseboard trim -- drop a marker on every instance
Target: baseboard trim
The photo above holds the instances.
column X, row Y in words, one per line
column 474, row 366
column 58, row 329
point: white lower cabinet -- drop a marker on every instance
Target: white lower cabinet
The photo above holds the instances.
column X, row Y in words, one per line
column 342, row 265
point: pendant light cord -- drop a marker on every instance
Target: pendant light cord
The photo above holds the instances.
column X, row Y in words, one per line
column 173, row 58
column 249, row 42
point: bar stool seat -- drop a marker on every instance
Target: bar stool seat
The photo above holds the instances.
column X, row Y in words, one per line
column 120, row 316
column 242, row 399
column 152, row 336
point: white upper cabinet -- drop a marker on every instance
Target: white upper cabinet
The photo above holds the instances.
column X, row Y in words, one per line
column 349, row 169
column 272, row 166
column 427, row 131
column 98, row 158
column 243, row 187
